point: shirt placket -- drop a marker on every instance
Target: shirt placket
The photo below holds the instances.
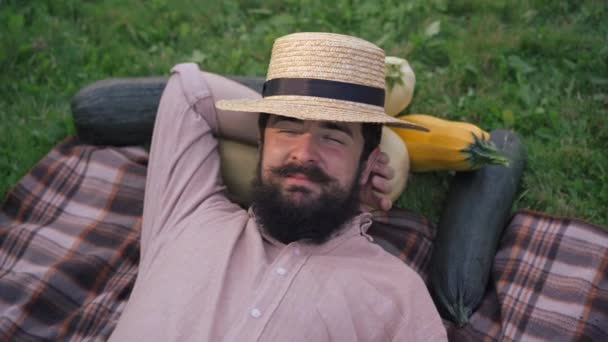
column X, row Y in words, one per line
column 278, row 279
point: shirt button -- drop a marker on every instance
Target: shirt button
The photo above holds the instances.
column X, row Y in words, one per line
column 255, row 313
column 281, row 271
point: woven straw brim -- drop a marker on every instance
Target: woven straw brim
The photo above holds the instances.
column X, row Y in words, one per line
column 316, row 108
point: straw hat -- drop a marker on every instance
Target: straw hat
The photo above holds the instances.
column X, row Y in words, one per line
column 323, row 76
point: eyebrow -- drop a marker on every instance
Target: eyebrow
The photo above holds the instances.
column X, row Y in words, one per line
column 337, row 126
column 324, row 124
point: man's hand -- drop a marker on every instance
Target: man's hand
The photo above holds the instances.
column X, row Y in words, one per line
column 374, row 193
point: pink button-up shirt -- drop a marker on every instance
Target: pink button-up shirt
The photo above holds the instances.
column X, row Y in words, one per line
column 208, row 273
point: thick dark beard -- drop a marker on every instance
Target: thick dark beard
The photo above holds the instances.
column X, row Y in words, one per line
column 314, row 221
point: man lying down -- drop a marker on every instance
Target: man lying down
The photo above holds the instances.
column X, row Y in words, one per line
column 298, row 265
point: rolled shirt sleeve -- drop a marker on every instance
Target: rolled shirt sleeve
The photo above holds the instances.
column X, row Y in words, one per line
column 184, row 167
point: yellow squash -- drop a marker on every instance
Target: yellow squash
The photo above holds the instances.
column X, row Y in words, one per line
column 448, row 145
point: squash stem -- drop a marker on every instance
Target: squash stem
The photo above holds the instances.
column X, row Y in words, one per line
column 483, row 151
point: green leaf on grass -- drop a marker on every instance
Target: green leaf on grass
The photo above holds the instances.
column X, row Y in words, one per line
column 15, row 23
column 600, row 97
column 433, row 29
column 598, row 81
column 283, row 20
column 441, row 5
column 184, row 30
column 197, row 57
column 519, row 65
column 508, row 119
column 259, row 11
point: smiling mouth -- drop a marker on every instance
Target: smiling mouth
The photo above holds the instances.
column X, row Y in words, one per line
column 299, row 183
column 298, row 176
column 302, row 174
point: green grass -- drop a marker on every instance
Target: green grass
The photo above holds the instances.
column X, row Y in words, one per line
column 539, row 67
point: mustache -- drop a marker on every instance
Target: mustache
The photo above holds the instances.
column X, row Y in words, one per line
column 311, row 171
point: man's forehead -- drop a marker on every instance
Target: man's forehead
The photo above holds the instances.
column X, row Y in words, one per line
column 340, row 125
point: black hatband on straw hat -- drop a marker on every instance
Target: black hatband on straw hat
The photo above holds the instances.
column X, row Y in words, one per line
column 324, row 88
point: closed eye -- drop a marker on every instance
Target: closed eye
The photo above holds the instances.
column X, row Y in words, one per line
column 334, row 139
column 288, row 131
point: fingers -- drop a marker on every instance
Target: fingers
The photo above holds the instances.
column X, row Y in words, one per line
column 375, row 200
column 383, row 158
column 385, row 203
column 382, row 168
column 378, row 202
column 374, row 192
column 381, row 185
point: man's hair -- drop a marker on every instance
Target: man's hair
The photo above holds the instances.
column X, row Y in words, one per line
column 371, row 134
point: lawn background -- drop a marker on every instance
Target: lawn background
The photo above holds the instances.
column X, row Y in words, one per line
column 538, row 67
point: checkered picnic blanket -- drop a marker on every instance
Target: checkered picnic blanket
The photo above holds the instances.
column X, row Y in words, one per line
column 69, row 249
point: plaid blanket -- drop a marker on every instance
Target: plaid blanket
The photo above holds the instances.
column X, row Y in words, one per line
column 69, row 249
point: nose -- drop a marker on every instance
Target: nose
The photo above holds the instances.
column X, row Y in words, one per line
column 305, row 149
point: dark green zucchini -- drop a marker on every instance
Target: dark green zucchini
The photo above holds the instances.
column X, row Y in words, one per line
column 478, row 206
column 121, row 111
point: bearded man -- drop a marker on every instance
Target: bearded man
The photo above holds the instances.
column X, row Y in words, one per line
column 298, row 265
